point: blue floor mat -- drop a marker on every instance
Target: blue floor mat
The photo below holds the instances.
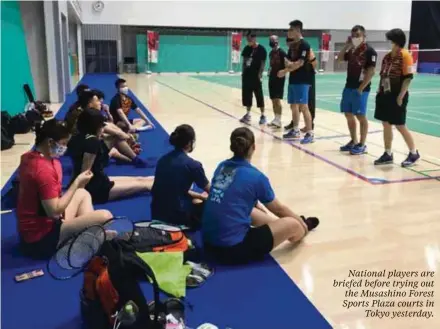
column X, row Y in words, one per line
column 258, row 296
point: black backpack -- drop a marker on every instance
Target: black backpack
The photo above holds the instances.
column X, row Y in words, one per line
column 111, row 280
column 7, row 134
column 25, row 122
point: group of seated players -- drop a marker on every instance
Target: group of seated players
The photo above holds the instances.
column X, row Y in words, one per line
column 236, row 227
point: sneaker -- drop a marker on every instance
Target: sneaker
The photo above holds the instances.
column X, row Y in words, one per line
column 246, row 118
column 262, row 120
column 289, row 126
column 384, row 159
column 292, row 135
column 276, row 123
column 411, row 159
column 358, row 149
column 311, row 222
column 308, row 138
column 347, row 147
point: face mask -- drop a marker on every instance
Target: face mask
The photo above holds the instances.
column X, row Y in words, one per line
column 356, row 42
column 272, row 44
column 58, row 150
column 124, row 90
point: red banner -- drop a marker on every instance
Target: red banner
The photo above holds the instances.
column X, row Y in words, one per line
column 236, row 45
column 414, row 50
column 153, row 46
column 325, row 46
column 325, row 41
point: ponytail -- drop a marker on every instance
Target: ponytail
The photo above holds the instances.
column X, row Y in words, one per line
column 242, row 139
column 53, row 129
column 182, row 136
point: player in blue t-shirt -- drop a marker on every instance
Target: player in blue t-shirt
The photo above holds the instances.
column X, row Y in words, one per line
column 172, row 200
column 236, row 229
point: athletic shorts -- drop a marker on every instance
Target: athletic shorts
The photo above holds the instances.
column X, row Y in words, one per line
column 251, row 86
column 276, row 87
column 298, row 94
column 192, row 219
column 99, row 188
column 257, row 243
column 45, row 247
column 353, row 102
column 387, row 109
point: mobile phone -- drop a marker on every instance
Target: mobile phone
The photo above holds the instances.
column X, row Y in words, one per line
column 29, row 275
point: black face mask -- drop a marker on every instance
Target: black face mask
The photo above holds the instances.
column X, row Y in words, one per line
column 273, row 44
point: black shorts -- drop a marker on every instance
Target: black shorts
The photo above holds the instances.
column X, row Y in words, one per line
column 44, row 248
column 257, row 243
column 250, row 86
column 99, row 188
column 387, row 109
column 276, row 87
column 192, row 219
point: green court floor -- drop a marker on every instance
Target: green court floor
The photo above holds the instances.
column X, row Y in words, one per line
column 423, row 109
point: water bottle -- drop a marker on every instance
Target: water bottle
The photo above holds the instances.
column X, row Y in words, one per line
column 128, row 314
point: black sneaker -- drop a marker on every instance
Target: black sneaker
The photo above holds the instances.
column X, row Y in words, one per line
column 384, row 159
column 411, row 159
column 311, row 222
column 289, row 126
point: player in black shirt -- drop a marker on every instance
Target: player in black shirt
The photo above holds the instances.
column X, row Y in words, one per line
column 120, row 107
column 90, row 152
column 254, row 59
column 361, row 61
column 276, row 85
column 299, row 82
column 312, row 92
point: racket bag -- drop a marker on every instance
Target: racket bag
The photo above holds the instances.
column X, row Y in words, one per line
column 110, row 282
column 159, row 238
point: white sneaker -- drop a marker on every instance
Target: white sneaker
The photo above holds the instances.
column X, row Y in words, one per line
column 276, row 123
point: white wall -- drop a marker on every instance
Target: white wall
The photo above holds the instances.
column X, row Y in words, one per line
column 319, row 15
column 56, row 26
column 32, row 16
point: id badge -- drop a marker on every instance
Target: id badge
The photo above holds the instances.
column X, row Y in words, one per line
column 386, row 85
column 361, row 77
column 248, row 62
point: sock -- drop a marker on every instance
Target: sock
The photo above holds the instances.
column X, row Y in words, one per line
column 262, row 112
column 388, row 151
column 295, row 128
column 311, row 222
column 413, row 151
column 310, row 132
column 248, row 111
column 278, row 117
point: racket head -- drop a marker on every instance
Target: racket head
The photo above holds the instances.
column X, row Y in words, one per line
column 85, row 246
column 58, row 265
column 119, row 228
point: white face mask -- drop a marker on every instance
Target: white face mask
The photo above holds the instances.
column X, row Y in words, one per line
column 356, row 42
column 124, row 90
column 58, row 150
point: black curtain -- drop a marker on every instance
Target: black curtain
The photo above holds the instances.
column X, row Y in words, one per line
column 425, row 29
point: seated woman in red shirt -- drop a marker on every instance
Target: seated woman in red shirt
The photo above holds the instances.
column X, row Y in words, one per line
column 45, row 215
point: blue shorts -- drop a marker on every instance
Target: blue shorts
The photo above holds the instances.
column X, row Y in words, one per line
column 298, row 94
column 353, row 102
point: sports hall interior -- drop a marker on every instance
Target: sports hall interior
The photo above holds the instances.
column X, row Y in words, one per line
column 372, row 218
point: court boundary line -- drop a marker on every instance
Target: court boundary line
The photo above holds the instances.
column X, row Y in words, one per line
column 372, row 181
